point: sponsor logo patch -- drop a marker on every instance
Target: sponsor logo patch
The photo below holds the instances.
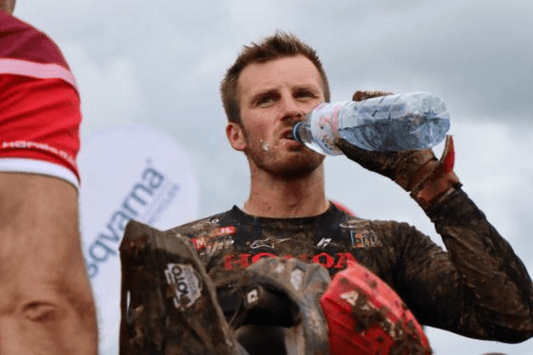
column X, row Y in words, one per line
column 216, row 241
column 329, row 261
column 364, row 240
column 186, row 283
column 271, row 243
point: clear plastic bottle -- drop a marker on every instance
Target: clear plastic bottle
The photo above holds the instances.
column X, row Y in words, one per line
column 416, row 120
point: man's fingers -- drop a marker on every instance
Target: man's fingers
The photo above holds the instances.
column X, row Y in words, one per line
column 360, row 95
column 343, row 144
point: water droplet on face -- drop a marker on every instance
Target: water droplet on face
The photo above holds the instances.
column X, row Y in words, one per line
column 265, row 146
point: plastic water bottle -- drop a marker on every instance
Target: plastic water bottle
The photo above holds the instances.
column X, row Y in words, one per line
column 416, row 120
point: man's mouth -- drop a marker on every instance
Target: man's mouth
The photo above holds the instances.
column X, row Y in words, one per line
column 288, row 135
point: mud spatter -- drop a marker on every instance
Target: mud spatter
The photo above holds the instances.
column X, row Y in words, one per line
column 265, row 146
column 405, row 339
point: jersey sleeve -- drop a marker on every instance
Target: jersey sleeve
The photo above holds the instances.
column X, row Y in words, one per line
column 39, row 126
column 478, row 287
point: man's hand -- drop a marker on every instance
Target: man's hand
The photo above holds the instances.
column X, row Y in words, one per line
column 416, row 171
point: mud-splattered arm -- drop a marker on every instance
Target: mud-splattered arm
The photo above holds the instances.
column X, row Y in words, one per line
column 479, row 287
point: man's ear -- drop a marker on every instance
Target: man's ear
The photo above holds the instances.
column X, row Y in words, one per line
column 235, row 134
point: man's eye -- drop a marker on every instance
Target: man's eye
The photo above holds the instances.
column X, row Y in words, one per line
column 265, row 100
column 305, row 94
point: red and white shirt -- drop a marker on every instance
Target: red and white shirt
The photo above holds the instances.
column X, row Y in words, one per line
column 39, row 104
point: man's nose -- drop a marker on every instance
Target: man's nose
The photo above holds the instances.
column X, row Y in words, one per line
column 291, row 108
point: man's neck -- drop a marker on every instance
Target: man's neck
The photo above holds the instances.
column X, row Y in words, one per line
column 285, row 198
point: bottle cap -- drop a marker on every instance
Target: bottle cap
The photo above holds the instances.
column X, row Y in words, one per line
column 296, row 134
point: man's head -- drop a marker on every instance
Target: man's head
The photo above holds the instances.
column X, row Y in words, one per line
column 280, row 45
column 271, row 93
column 7, row 6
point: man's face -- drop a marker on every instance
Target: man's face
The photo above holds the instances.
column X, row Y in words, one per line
column 273, row 96
column 7, row 5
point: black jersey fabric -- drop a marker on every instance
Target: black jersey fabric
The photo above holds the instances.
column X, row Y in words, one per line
column 478, row 287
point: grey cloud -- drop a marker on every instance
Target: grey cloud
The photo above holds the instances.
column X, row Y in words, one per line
column 479, row 54
column 475, row 54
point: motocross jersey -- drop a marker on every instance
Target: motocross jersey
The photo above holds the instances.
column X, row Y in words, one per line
column 477, row 288
column 39, row 104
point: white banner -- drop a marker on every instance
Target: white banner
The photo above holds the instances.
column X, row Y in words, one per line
column 128, row 173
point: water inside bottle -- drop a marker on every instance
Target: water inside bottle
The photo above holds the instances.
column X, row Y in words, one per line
column 396, row 122
column 415, row 132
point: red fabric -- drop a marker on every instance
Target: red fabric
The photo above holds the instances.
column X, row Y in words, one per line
column 449, row 158
column 365, row 316
column 39, row 119
column 341, row 207
column 39, row 103
column 19, row 40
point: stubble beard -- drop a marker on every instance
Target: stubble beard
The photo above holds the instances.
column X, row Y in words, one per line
column 295, row 165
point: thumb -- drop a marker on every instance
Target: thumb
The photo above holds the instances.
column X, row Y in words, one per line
column 380, row 162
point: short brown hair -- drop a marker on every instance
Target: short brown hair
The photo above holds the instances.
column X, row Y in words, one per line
column 280, row 45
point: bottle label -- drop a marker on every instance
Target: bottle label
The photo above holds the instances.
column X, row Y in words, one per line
column 327, row 118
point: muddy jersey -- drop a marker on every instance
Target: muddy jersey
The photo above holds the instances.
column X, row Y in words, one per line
column 478, row 288
column 39, row 104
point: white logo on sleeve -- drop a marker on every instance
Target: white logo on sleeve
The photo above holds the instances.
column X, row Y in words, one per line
column 186, row 282
column 324, row 242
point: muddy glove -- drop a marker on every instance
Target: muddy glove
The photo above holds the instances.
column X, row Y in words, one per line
column 416, row 171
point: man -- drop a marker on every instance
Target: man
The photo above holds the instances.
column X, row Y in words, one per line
column 478, row 288
column 46, row 305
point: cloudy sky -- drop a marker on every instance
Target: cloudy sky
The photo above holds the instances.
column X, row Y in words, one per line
column 159, row 63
